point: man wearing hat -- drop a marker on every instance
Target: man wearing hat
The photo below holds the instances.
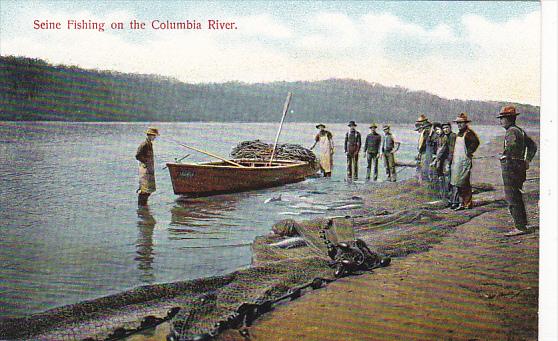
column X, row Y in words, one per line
column 439, row 160
column 371, row 150
column 519, row 150
column 451, row 136
column 352, row 148
column 425, row 148
column 389, row 147
column 325, row 139
column 466, row 143
column 146, row 160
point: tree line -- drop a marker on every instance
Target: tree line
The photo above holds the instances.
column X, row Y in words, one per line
column 32, row 89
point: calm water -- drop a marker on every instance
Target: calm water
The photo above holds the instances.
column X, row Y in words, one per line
column 70, row 228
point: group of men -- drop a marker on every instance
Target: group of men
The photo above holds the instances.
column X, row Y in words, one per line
column 375, row 146
column 444, row 160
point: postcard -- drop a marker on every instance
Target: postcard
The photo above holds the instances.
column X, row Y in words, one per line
column 277, row 170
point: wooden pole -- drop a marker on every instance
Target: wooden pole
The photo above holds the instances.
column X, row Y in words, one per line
column 212, row 155
column 285, row 109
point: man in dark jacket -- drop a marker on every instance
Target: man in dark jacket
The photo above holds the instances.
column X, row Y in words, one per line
column 352, row 148
column 146, row 160
column 440, row 159
column 466, row 144
column 519, row 150
column 371, row 150
column 451, row 136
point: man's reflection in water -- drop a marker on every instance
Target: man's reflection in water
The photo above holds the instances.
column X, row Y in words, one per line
column 144, row 244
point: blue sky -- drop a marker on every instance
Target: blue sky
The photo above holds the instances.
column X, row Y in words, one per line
column 467, row 50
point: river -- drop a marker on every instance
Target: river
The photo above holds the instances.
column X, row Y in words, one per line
column 70, row 228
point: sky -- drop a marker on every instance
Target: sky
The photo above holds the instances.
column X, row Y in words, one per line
column 465, row 50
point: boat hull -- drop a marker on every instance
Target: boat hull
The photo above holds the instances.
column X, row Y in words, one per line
column 213, row 178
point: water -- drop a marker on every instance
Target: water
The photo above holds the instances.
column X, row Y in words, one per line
column 70, row 228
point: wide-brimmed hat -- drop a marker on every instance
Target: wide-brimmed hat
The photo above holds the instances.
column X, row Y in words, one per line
column 320, row 126
column 152, row 131
column 373, row 125
column 462, row 118
column 426, row 124
column 386, row 127
column 421, row 118
column 508, row 111
column 352, row 124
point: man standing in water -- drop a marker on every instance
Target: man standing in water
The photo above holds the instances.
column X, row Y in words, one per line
column 519, row 150
column 466, row 144
column 352, row 148
column 145, row 157
column 325, row 140
column 371, row 149
column 389, row 147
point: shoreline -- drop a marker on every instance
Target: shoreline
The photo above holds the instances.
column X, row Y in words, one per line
column 387, row 197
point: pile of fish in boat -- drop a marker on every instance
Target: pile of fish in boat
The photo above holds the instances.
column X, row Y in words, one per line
column 260, row 150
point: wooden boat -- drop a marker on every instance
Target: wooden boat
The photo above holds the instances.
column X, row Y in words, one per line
column 210, row 178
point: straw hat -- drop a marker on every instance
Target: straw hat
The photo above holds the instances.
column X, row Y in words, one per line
column 373, row 125
column 320, row 126
column 152, row 131
column 508, row 111
column 421, row 118
column 462, row 118
column 386, row 127
column 352, row 124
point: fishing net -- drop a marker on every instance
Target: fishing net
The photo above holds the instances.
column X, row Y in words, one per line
column 204, row 307
column 262, row 151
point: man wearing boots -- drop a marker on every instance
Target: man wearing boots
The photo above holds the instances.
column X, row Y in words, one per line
column 440, row 159
column 146, row 160
column 371, row 150
column 424, row 156
column 389, row 147
column 451, row 136
column 352, row 148
column 466, row 144
column 519, row 150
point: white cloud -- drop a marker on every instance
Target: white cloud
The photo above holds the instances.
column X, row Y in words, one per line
column 498, row 61
column 382, row 25
column 263, row 25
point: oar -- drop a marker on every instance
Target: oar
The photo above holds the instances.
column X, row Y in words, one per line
column 210, row 154
column 285, row 109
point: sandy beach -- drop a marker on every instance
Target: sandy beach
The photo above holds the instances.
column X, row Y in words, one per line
column 475, row 284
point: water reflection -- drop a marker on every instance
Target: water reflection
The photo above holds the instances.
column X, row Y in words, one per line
column 144, row 244
column 190, row 214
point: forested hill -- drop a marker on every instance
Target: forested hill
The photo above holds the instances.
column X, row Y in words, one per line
column 31, row 89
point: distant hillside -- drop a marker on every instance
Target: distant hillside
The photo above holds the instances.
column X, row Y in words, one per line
column 31, row 89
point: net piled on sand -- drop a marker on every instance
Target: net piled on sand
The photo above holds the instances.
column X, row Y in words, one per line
column 262, row 151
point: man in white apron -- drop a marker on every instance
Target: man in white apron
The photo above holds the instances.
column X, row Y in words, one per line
column 324, row 139
column 466, row 143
